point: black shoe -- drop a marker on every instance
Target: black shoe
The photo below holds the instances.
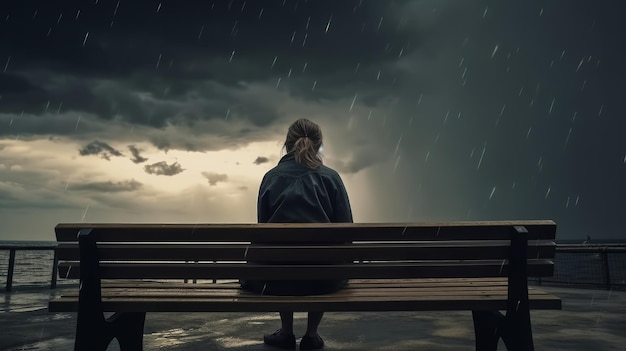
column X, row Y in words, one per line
column 311, row 342
column 281, row 341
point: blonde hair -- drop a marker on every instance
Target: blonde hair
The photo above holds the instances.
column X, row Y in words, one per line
column 304, row 139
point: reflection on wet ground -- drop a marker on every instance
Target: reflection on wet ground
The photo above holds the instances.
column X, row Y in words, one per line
column 590, row 320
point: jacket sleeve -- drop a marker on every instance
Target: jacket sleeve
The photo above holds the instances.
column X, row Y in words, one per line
column 262, row 207
column 342, row 210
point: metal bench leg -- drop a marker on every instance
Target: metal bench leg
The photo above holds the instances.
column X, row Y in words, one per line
column 518, row 335
column 128, row 329
column 486, row 329
column 92, row 332
column 514, row 329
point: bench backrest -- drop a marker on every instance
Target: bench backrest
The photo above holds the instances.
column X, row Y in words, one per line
column 307, row 251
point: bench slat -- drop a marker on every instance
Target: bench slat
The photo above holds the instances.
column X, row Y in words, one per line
column 293, row 253
column 307, row 232
column 414, row 292
column 485, row 301
column 175, row 296
column 432, row 269
column 354, row 283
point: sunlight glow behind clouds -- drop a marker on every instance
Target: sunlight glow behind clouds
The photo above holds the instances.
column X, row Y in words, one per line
column 59, row 162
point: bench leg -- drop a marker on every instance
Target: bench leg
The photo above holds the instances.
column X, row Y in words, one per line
column 128, row 329
column 486, row 329
column 91, row 335
column 96, row 333
column 93, row 331
column 514, row 329
column 518, row 335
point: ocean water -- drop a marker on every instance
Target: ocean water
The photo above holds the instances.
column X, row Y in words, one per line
column 33, row 269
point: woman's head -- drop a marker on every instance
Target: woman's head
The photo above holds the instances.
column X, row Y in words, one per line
column 304, row 139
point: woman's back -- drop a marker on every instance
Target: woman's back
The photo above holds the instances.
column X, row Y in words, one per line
column 293, row 193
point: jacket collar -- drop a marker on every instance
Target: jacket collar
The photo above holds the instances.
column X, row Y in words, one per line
column 288, row 157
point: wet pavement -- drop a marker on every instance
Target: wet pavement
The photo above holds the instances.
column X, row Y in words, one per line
column 590, row 320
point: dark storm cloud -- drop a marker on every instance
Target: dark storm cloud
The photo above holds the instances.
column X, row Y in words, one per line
column 260, row 160
column 161, row 74
column 358, row 160
column 249, row 108
column 137, row 158
column 40, row 91
column 214, row 178
column 107, row 187
column 162, row 168
column 15, row 90
column 151, row 74
column 116, row 46
column 99, row 148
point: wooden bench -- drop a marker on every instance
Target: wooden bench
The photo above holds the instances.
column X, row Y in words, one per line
column 475, row 266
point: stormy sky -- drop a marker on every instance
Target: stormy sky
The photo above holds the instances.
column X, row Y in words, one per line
column 432, row 110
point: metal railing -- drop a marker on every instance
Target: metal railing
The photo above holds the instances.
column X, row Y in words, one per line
column 12, row 248
column 589, row 266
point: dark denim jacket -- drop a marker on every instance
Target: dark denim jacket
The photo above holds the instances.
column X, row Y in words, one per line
column 293, row 193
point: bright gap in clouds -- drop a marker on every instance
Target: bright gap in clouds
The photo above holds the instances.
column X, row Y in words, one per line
column 62, row 163
column 225, row 170
column 211, row 186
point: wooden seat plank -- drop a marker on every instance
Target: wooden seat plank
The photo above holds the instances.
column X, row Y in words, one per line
column 307, row 232
column 352, row 303
column 360, row 291
column 353, row 283
column 536, row 268
column 329, row 253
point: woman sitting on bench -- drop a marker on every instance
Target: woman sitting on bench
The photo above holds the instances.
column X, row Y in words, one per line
column 300, row 189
